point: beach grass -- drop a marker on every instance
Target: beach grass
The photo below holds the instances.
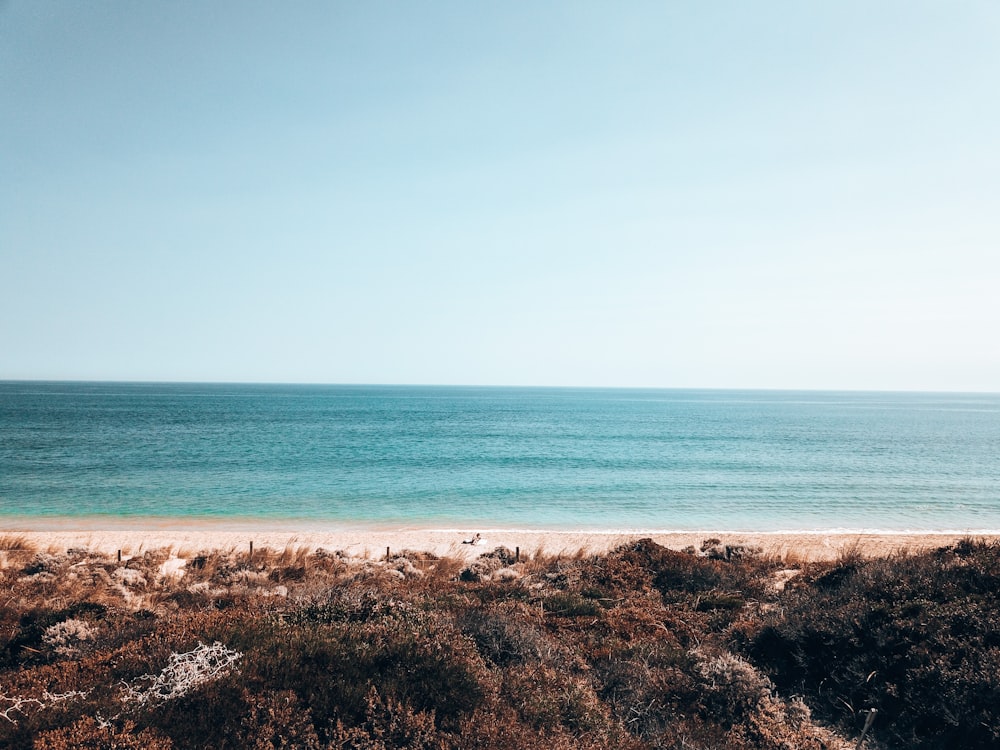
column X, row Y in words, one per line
column 16, row 543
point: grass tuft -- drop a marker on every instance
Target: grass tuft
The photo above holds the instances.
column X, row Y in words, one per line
column 16, row 543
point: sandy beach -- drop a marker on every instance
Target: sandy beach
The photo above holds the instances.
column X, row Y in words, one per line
column 191, row 538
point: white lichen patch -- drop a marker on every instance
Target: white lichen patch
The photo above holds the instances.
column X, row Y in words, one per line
column 66, row 637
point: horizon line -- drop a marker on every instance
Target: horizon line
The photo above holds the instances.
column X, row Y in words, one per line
column 765, row 389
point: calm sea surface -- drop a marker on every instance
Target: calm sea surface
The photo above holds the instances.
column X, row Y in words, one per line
column 502, row 457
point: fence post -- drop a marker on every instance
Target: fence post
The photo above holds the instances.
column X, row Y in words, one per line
column 517, row 554
column 868, row 725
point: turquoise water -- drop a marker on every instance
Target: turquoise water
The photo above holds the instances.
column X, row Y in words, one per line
column 450, row 457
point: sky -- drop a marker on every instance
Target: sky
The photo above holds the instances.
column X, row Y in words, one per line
column 667, row 194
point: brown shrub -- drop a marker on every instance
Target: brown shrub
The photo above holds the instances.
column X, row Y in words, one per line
column 224, row 716
column 388, row 725
column 87, row 734
column 626, row 650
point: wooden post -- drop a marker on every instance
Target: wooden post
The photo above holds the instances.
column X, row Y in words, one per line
column 119, row 555
column 868, row 725
column 387, row 553
column 251, row 548
column 517, row 554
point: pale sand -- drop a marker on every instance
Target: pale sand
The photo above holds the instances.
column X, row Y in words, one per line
column 189, row 539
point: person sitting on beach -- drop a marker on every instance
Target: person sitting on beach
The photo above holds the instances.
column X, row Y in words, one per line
column 475, row 540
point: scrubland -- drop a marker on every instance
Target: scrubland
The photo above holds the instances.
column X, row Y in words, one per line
column 641, row 647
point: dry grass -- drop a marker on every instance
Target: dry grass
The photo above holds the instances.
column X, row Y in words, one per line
column 293, row 554
column 851, row 553
column 15, row 543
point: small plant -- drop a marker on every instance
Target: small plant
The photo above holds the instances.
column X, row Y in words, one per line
column 572, row 604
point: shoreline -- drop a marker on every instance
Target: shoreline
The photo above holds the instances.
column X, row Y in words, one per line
column 134, row 536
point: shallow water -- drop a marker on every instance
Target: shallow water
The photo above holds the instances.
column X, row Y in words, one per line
column 503, row 457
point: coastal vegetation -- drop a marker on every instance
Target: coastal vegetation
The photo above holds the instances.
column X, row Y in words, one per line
column 642, row 647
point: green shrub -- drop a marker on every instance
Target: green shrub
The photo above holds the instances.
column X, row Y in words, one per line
column 914, row 637
column 572, row 604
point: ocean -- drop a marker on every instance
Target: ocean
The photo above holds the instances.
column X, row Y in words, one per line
column 512, row 458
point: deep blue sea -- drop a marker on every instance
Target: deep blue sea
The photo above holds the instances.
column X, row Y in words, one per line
column 538, row 458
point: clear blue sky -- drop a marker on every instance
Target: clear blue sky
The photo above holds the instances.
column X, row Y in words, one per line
column 677, row 194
